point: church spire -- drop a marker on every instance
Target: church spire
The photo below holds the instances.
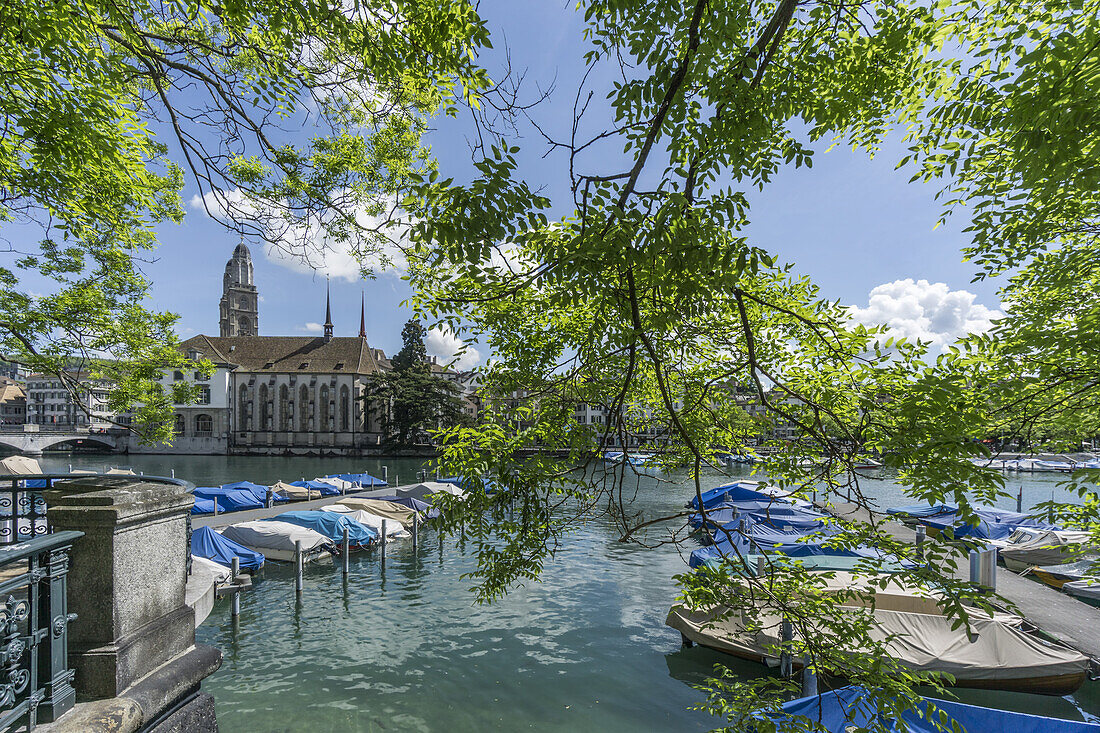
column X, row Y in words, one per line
column 362, row 316
column 328, row 312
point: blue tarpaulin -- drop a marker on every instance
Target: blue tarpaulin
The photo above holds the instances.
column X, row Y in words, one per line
column 993, row 524
column 466, row 484
column 331, row 525
column 838, row 711
column 363, row 479
column 776, row 513
column 741, row 546
column 923, row 510
column 207, row 543
column 737, row 491
column 325, row 489
column 229, row 500
column 257, row 490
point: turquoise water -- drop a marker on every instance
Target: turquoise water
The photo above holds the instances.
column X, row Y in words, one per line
column 407, row 649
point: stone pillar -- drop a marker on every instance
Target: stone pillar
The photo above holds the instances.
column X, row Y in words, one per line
column 126, row 585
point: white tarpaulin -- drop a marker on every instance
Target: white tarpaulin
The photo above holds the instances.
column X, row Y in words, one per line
column 340, row 484
column 16, row 465
column 394, row 529
column 276, row 539
column 1029, row 546
column 996, row 654
column 388, row 509
column 288, row 491
column 420, row 491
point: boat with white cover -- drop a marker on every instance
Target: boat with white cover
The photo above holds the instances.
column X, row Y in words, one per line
column 996, row 654
column 394, row 529
column 1030, row 546
column 276, row 540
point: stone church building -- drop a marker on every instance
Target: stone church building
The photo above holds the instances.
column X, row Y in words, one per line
column 276, row 395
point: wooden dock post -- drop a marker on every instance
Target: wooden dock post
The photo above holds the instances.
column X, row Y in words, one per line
column 298, row 567
column 920, row 542
column 269, row 498
column 386, row 473
column 383, row 543
column 809, row 678
column 235, row 571
column 215, row 506
column 416, row 525
column 1020, row 500
column 346, row 547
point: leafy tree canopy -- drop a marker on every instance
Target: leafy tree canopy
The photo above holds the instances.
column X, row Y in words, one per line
column 290, row 119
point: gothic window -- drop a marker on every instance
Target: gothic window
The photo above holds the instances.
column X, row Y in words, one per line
column 303, row 409
column 180, row 427
column 344, row 408
column 244, row 326
column 322, row 409
column 265, row 408
column 204, row 426
column 286, row 419
column 242, row 409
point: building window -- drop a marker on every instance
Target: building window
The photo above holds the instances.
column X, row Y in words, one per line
column 177, row 376
column 303, row 409
column 323, row 422
column 265, row 409
column 203, row 397
column 204, row 426
column 180, row 427
column 200, row 377
column 242, row 408
column 344, row 408
column 286, row 415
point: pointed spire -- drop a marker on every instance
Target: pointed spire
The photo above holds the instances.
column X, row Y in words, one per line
column 363, row 316
column 328, row 311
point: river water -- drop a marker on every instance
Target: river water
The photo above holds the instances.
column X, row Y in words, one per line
column 406, row 648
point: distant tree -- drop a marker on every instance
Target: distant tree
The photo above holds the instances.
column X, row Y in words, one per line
column 411, row 400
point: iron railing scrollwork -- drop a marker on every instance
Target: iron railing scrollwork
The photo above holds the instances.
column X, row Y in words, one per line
column 35, row 679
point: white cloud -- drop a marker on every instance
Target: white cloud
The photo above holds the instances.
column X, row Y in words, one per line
column 313, row 328
column 306, row 248
column 445, row 345
column 918, row 309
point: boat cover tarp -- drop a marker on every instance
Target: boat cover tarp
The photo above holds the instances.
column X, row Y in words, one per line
column 1042, row 546
column 741, row 546
column 420, row 491
column 1086, row 588
column 1066, row 571
column 229, row 500
column 993, row 524
column 773, row 512
column 203, row 505
column 737, row 491
column 331, row 525
column 363, row 479
column 326, row 489
column 923, row 510
column 257, row 490
column 261, row 534
column 208, row 544
column 367, row 519
column 382, row 507
column 341, row 485
column 290, row 492
column 921, row 641
column 220, row 573
column 18, row 465
column 850, row 708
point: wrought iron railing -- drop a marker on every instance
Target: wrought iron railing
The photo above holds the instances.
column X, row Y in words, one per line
column 35, row 679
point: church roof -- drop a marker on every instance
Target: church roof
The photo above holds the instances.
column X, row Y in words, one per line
column 241, row 252
column 288, row 354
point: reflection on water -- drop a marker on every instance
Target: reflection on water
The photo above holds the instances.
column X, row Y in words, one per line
column 405, row 648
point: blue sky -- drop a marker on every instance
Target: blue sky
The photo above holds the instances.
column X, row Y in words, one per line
column 850, row 223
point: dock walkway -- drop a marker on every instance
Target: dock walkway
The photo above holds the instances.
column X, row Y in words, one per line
column 1057, row 614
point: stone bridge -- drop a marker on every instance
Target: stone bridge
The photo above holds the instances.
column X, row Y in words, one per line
column 33, row 444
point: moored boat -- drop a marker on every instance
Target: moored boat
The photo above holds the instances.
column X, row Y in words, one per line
column 276, row 540
column 1028, row 547
column 995, row 654
column 1086, row 589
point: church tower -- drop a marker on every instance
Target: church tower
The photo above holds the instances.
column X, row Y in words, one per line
column 239, row 310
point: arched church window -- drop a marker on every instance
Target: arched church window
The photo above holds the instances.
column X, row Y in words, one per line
column 303, row 409
column 344, row 408
column 242, row 408
column 322, row 423
column 265, row 409
column 244, row 326
column 286, row 417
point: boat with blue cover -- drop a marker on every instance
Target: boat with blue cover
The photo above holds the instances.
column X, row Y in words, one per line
column 854, row 708
column 364, row 480
column 226, row 499
column 331, row 525
column 208, row 544
column 320, row 486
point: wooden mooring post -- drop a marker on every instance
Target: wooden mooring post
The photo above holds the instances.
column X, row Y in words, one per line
column 298, row 561
column 383, row 542
column 346, row 549
column 235, row 571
